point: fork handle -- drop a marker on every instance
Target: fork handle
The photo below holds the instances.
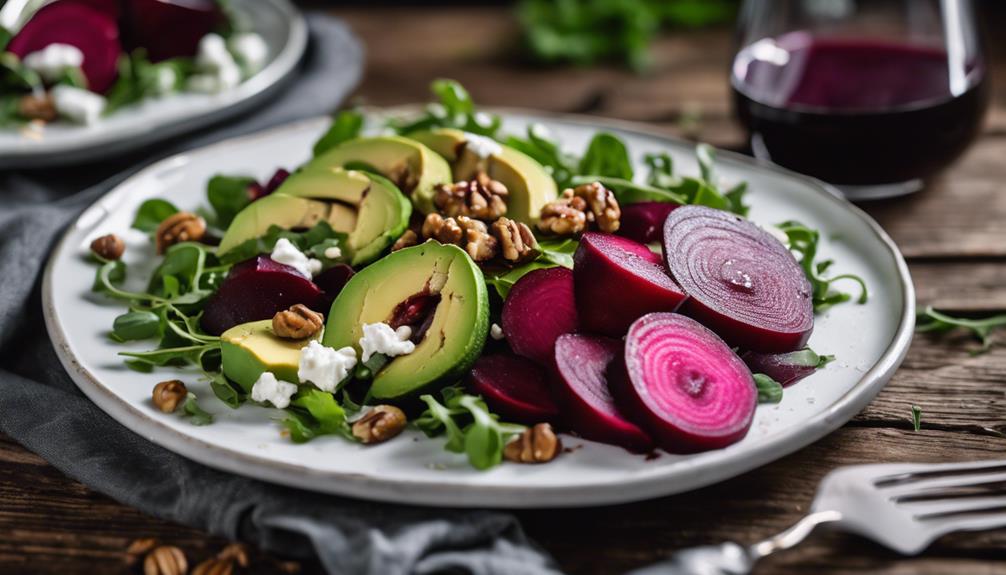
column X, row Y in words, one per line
column 732, row 558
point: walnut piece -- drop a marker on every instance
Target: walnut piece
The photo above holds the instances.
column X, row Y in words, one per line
column 576, row 209
column 407, row 240
column 481, row 198
column 379, row 424
column 298, row 322
column 34, row 107
column 165, row 560
column 538, row 444
column 214, row 566
column 235, row 551
column 108, row 247
column 168, row 395
column 177, row 228
column 468, row 233
column 516, row 240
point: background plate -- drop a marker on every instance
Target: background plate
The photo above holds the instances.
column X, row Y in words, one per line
column 869, row 341
column 152, row 120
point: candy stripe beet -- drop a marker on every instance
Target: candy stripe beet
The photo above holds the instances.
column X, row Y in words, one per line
column 539, row 308
column 514, row 387
column 617, row 280
column 683, row 385
column 582, row 392
column 741, row 282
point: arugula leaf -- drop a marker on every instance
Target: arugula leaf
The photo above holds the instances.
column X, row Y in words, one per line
column 108, row 275
column 546, row 152
column 304, row 241
column 230, row 394
column 804, row 241
column 769, row 390
column 313, row 413
column 916, row 417
column 554, row 252
column 151, row 213
column 346, row 125
column 228, row 195
column 194, row 413
column 629, row 192
column 135, row 325
column 454, row 109
column 930, row 320
column 5, row 36
column 189, row 354
column 469, row 426
column 606, row 156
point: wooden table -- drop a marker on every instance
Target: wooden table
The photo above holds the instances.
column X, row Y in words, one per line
column 953, row 235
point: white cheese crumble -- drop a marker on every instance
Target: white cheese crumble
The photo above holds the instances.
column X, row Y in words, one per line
column 333, row 253
column 482, row 146
column 268, row 389
column 53, row 60
column 250, row 50
column 325, row 367
column 540, row 131
column 380, row 338
column 218, row 71
column 78, row 104
column 166, row 80
column 284, row 252
column 212, row 53
column 496, row 332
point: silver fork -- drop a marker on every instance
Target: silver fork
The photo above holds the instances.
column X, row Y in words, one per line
column 903, row 506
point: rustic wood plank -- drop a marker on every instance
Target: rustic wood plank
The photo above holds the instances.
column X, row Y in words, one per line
column 969, row 286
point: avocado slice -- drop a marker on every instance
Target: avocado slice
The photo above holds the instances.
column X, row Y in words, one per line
column 368, row 208
column 287, row 212
column 413, row 167
column 451, row 335
column 250, row 349
column 530, row 186
column 382, row 212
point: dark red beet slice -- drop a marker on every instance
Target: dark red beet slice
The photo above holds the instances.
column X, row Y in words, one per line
column 91, row 30
column 539, row 309
column 644, row 221
column 169, row 28
column 582, row 392
column 618, row 280
column 786, row 368
column 514, row 387
column 741, row 282
column 254, row 290
column 331, row 282
column 683, row 384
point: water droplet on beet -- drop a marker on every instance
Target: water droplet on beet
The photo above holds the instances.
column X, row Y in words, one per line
column 736, row 278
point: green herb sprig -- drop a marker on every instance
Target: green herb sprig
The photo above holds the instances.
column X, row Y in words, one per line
column 468, row 426
column 804, row 242
column 982, row 329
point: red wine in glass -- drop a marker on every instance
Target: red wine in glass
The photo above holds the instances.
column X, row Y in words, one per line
column 875, row 116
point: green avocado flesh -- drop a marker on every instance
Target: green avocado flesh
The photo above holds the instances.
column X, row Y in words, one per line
column 250, row 349
column 455, row 336
column 404, row 161
column 530, row 186
column 368, row 208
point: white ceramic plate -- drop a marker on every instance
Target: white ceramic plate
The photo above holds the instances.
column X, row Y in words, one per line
column 869, row 340
column 62, row 143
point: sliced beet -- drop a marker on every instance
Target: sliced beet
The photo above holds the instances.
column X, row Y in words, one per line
column 644, row 221
column 169, row 28
column 786, row 368
column 254, row 290
column 539, row 308
column 741, row 281
column 514, row 387
column 94, row 32
column 683, row 384
column 618, row 280
column 331, row 282
column 582, row 392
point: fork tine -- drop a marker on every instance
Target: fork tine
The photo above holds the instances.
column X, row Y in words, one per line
column 933, row 510
column 916, row 473
column 975, row 522
column 944, row 481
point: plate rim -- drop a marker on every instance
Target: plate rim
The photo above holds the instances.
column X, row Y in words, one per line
column 647, row 486
column 259, row 86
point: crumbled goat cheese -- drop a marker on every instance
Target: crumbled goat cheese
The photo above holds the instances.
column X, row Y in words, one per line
column 380, row 338
column 333, row 253
column 325, row 367
column 218, row 71
column 212, row 53
column 250, row 50
column 54, row 60
column 482, row 146
column 496, row 332
column 166, row 80
column 78, row 104
column 540, row 131
column 269, row 389
column 483, row 119
column 284, row 252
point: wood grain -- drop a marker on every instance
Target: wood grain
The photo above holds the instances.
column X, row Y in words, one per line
column 952, row 234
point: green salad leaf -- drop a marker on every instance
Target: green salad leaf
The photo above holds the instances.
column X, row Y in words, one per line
column 228, row 195
column 346, row 125
column 454, row 108
column 982, row 329
column 916, row 417
column 192, row 411
column 136, row 325
column 804, row 242
column 606, row 156
column 468, row 426
column 769, row 390
column 554, row 252
column 151, row 213
column 321, row 234
column 313, row 413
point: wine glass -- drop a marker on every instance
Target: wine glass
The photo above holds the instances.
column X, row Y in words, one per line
column 874, row 96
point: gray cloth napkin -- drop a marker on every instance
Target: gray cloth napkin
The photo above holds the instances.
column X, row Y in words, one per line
column 41, row 407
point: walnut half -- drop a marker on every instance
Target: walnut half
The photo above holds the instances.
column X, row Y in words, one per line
column 298, row 322
column 178, row 228
column 538, row 444
column 480, row 198
column 517, row 243
column 587, row 205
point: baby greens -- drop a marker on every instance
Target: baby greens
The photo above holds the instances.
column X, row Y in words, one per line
column 804, row 241
column 769, row 390
column 930, row 320
column 312, row 413
column 468, row 426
